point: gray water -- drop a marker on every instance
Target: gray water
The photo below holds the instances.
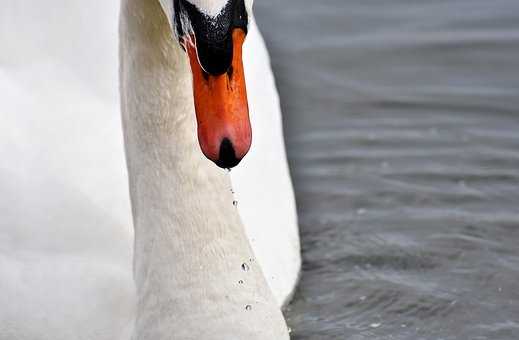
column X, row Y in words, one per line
column 402, row 128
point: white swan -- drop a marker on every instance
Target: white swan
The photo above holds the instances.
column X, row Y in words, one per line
column 65, row 254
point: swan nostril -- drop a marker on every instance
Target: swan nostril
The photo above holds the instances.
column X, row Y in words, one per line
column 205, row 75
column 227, row 156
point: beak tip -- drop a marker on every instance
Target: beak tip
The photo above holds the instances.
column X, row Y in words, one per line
column 227, row 158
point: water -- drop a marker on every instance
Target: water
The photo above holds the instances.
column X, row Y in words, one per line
column 402, row 128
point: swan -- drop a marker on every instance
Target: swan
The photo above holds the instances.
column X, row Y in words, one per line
column 202, row 266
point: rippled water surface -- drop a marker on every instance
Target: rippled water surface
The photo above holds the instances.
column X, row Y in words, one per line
column 402, row 126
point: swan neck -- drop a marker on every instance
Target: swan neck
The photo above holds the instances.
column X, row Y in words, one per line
column 195, row 272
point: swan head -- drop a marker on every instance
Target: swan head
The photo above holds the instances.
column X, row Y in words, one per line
column 212, row 33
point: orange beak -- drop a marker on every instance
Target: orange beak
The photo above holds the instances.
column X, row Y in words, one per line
column 222, row 112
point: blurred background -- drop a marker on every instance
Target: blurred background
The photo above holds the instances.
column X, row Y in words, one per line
column 402, row 127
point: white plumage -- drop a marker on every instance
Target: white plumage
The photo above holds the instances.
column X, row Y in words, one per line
column 66, row 229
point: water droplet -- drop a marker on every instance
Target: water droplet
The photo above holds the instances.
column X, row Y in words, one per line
column 248, row 308
column 240, row 282
column 235, row 203
column 245, row 267
column 375, row 325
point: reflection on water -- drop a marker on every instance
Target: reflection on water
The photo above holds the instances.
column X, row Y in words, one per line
column 402, row 125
